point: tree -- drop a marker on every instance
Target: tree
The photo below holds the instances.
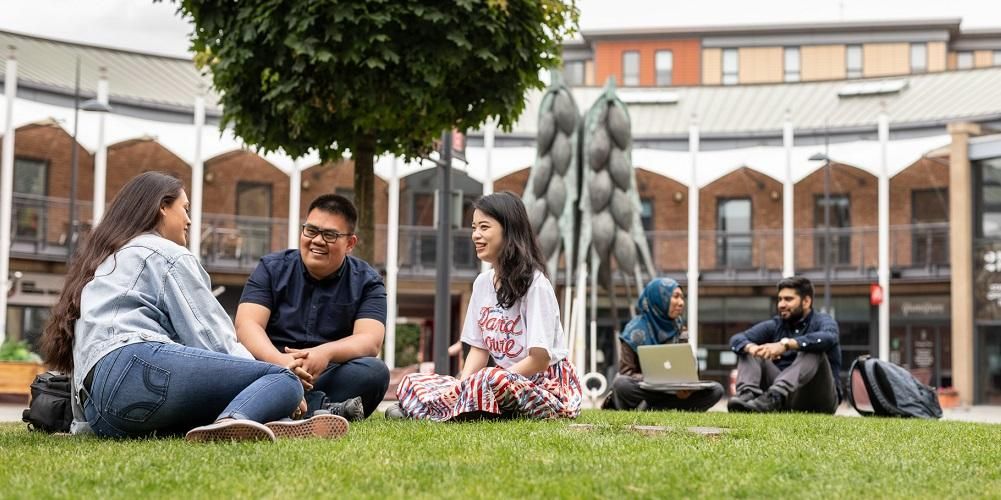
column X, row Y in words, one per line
column 373, row 77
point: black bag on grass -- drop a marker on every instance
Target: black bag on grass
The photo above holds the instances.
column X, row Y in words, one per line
column 50, row 408
column 884, row 389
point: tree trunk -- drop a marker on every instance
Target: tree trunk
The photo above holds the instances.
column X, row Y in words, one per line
column 364, row 158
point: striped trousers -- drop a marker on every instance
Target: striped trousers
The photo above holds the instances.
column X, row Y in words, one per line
column 554, row 393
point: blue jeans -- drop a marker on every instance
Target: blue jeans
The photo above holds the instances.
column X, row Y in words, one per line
column 154, row 388
column 366, row 377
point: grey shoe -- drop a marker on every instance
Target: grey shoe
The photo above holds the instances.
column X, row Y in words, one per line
column 351, row 409
column 395, row 412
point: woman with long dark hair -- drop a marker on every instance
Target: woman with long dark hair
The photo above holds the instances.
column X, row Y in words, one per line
column 513, row 319
column 150, row 348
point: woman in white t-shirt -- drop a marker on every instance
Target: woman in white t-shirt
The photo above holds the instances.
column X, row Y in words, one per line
column 512, row 318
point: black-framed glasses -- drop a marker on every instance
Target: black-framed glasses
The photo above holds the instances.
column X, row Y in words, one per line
column 310, row 231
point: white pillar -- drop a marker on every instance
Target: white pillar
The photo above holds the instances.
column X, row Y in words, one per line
column 294, row 195
column 788, row 224
column 488, row 183
column 7, row 186
column 100, row 155
column 884, row 236
column 197, row 182
column 392, row 263
column 693, row 236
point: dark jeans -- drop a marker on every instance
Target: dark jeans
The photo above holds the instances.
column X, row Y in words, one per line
column 154, row 388
column 627, row 395
column 366, row 377
column 807, row 384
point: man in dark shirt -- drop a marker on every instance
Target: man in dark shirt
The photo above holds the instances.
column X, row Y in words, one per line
column 790, row 362
column 323, row 305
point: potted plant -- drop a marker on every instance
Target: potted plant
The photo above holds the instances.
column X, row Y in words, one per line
column 18, row 367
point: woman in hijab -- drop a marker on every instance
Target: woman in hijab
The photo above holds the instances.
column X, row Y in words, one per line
column 660, row 321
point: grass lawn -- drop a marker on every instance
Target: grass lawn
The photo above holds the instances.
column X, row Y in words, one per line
column 759, row 456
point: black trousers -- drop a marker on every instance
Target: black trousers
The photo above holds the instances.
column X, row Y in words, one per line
column 807, row 384
column 628, row 395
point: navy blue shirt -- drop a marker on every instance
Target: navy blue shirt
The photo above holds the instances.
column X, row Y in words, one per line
column 817, row 332
column 305, row 311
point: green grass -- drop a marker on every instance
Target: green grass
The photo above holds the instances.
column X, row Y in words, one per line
column 760, row 456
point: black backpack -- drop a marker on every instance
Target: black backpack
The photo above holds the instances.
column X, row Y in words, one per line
column 50, row 409
column 880, row 388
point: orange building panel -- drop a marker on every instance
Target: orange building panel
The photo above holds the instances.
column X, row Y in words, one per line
column 687, row 60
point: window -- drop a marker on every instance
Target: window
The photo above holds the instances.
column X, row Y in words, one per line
column 26, row 323
column 930, row 235
column 29, row 214
column 853, row 61
column 573, row 73
column 840, row 229
column 792, row 64
column 663, row 62
column 630, row 68
column 919, row 57
column 964, row 60
column 253, row 219
column 997, row 57
column 730, row 66
column 989, row 197
column 733, row 240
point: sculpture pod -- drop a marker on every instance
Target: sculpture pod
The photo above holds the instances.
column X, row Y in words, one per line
column 618, row 126
column 549, row 236
column 599, row 148
column 565, row 111
column 601, row 190
column 556, row 197
column 560, row 154
column 624, row 251
column 620, row 169
column 541, row 174
column 621, row 208
column 603, row 233
column 546, row 133
column 537, row 213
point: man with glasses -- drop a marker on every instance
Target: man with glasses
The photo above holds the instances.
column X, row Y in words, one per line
column 321, row 304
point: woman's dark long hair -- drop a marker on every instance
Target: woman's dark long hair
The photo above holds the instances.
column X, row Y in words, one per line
column 134, row 211
column 521, row 254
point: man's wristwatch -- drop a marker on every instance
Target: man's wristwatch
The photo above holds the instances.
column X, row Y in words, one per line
column 788, row 343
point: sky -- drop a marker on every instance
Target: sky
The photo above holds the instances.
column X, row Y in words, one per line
column 144, row 26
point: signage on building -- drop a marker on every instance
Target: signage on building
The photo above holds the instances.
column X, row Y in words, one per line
column 875, row 294
column 920, row 307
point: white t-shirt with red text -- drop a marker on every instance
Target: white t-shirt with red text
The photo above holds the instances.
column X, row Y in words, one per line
column 508, row 334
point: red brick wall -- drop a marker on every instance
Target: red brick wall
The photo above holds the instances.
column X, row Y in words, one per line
column 669, row 246
column 50, row 143
column 687, row 60
column 222, row 175
column 514, row 182
column 128, row 159
column 925, row 173
column 861, row 188
column 765, row 194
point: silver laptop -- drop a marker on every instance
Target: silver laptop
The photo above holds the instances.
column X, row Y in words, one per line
column 670, row 366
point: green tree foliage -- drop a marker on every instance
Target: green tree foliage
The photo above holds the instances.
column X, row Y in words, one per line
column 374, row 76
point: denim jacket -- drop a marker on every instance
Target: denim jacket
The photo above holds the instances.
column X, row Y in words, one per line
column 150, row 290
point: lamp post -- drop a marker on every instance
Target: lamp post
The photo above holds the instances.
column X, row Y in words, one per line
column 89, row 105
column 827, row 228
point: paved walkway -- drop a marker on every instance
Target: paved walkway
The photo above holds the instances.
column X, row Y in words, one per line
column 985, row 414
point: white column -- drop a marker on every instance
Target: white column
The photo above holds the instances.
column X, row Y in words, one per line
column 392, row 263
column 100, row 155
column 488, row 183
column 884, row 236
column 294, row 195
column 197, row 181
column 693, row 236
column 788, row 224
column 7, row 186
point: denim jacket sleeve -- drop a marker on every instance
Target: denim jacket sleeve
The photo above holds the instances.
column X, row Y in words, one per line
column 196, row 316
column 821, row 336
column 761, row 333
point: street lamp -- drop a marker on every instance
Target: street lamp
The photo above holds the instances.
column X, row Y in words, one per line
column 827, row 228
column 88, row 105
